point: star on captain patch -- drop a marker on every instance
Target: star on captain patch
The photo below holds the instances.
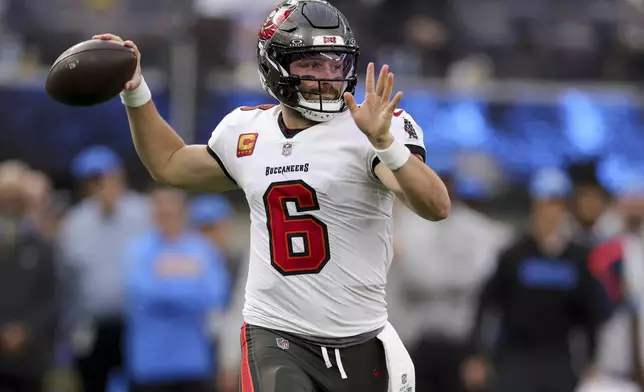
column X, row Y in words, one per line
column 287, row 149
column 409, row 129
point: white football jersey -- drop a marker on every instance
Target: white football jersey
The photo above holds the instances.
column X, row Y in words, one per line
column 321, row 227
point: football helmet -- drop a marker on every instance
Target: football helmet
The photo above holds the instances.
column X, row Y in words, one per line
column 307, row 57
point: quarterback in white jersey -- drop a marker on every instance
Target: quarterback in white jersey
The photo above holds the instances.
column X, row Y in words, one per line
column 320, row 174
column 321, row 235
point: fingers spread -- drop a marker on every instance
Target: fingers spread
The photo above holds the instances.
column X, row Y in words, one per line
column 389, row 87
column 382, row 79
column 370, row 79
column 394, row 102
column 350, row 101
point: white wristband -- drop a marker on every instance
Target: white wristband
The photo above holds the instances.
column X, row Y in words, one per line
column 394, row 156
column 137, row 97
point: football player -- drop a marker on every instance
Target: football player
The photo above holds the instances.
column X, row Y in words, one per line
column 320, row 174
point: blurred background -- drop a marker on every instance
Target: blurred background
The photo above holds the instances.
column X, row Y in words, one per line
column 532, row 112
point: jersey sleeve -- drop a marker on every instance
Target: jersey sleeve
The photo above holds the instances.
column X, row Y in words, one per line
column 222, row 145
column 405, row 129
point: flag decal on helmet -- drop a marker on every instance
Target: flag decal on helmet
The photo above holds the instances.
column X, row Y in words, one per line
column 274, row 21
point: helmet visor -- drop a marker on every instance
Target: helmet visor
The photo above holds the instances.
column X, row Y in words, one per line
column 323, row 75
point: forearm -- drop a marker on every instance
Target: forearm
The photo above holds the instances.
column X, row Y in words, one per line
column 423, row 190
column 154, row 139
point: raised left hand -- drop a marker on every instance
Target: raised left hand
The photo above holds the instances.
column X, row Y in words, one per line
column 373, row 116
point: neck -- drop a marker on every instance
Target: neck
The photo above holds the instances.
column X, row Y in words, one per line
column 108, row 208
column 633, row 225
column 109, row 202
column 586, row 224
column 171, row 233
column 294, row 120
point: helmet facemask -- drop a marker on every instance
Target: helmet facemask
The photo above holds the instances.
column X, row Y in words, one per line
column 311, row 80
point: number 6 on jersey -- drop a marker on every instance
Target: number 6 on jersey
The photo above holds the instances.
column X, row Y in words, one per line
column 299, row 243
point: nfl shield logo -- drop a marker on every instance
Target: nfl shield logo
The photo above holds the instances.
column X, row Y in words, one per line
column 287, row 148
column 282, row 343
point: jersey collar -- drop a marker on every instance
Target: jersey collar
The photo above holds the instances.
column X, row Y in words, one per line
column 287, row 132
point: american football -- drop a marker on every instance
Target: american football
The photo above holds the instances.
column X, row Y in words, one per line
column 90, row 73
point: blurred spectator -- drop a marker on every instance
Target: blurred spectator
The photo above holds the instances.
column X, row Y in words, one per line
column 236, row 27
column 174, row 280
column 28, row 300
column 619, row 265
column 212, row 216
column 413, row 37
column 55, row 210
column 39, row 189
column 94, row 235
column 592, row 219
column 542, row 289
column 228, row 333
column 435, row 281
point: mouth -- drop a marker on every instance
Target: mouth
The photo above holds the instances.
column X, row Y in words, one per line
column 325, row 96
column 329, row 97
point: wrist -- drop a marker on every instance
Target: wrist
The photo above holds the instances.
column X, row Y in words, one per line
column 394, row 156
column 384, row 142
column 137, row 97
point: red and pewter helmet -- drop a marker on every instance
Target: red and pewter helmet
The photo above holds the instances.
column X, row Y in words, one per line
column 307, row 30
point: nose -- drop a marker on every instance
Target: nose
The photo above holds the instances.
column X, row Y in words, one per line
column 327, row 87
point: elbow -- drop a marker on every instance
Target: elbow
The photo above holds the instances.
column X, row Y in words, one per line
column 430, row 208
column 157, row 174
column 440, row 209
column 163, row 178
column 438, row 202
column 443, row 213
column 157, row 177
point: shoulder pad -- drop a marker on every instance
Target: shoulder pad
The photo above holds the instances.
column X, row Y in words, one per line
column 244, row 114
column 405, row 126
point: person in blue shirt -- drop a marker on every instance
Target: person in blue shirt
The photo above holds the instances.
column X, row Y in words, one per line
column 213, row 216
column 174, row 281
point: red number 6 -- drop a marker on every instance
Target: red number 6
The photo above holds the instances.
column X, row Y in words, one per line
column 286, row 231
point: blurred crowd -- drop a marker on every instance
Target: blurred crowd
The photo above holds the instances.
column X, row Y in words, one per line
column 539, row 39
column 125, row 290
column 108, row 289
column 548, row 303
